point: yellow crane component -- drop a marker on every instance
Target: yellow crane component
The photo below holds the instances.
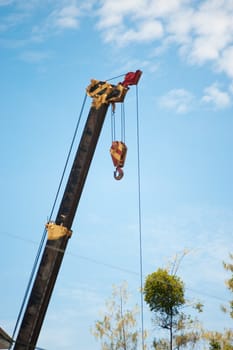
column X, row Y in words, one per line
column 105, row 93
column 57, row 231
column 118, row 153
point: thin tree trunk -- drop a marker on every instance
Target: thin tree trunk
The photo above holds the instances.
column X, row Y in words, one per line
column 171, row 332
column 123, row 325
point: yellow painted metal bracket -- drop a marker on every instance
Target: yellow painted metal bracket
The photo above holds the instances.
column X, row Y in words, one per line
column 57, row 231
column 103, row 92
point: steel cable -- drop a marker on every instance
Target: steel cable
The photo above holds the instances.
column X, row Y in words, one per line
column 32, row 275
column 140, row 219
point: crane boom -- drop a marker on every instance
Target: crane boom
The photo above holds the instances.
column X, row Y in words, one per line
column 59, row 231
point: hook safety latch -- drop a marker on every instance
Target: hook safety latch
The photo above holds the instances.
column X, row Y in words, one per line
column 118, row 152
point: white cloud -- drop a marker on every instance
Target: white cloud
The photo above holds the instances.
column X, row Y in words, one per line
column 121, row 8
column 216, row 97
column 178, row 100
column 212, row 31
column 57, row 17
column 66, row 18
column 145, row 31
column 161, row 8
column 202, row 32
column 114, row 17
column 225, row 61
column 179, row 26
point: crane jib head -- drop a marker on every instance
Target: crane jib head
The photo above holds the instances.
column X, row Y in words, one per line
column 104, row 93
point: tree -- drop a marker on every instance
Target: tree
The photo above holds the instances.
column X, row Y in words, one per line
column 214, row 345
column 161, row 344
column 224, row 340
column 117, row 330
column 219, row 341
column 229, row 284
column 188, row 330
column 164, row 293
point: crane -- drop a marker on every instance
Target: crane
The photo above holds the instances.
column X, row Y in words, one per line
column 59, row 232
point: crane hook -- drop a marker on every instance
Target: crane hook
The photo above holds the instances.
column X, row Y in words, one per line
column 118, row 173
column 118, row 152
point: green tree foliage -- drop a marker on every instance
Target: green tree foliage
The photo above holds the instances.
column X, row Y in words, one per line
column 214, row 345
column 117, row 330
column 164, row 293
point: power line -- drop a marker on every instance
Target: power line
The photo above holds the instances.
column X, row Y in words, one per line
column 206, row 294
column 114, row 267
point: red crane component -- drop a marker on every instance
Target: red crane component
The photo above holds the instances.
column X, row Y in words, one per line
column 118, row 152
column 132, row 78
column 118, row 149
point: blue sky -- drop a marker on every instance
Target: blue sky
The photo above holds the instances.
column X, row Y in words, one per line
column 49, row 51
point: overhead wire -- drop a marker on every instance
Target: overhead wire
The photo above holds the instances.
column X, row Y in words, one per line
column 35, row 264
column 115, row 267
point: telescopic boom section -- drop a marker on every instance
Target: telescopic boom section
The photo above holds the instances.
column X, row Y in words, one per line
column 59, row 232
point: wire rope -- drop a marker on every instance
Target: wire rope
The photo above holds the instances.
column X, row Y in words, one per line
column 113, row 124
column 140, row 219
column 68, row 156
column 118, row 76
column 123, row 122
column 29, row 283
column 35, row 264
